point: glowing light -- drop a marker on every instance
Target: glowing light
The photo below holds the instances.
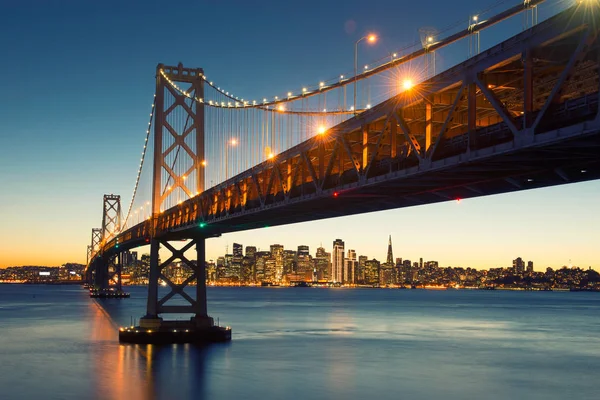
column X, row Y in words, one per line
column 395, row 55
column 371, row 38
column 204, row 163
column 366, row 67
column 321, row 130
column 368, row 106
column 429, row 39
column 281, row 108
column 289, row 94
column 335, row 194
column 458, row 200
column 233, row 142
column 271, row 155
column 202, row 224
column 304, row 89
column 475, row 18
column 321, row 84
column 341, row 76
column 407, row 84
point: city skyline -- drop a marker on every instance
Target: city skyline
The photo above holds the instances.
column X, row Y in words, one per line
column 81, row 146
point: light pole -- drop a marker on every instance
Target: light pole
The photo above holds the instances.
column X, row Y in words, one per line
column 371, row 38
column 232, row 142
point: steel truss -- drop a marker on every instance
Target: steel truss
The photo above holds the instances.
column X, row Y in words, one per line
column 197, row 305
column 111, row 216
column 173, row 143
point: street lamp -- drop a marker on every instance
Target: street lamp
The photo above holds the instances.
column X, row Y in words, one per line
column 371, row 38
column 232, row 142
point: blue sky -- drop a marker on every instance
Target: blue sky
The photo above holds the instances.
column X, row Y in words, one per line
column 78, row 80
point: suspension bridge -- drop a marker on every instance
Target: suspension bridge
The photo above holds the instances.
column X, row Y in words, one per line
column 519, row 115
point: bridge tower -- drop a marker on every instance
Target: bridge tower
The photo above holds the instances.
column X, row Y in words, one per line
column 108, row 268
column 178, row 174
column 93, row 249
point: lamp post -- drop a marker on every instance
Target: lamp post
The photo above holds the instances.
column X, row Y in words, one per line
column 371, row 38
column 232, row 142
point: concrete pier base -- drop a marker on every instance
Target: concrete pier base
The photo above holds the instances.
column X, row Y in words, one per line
column 157, row 331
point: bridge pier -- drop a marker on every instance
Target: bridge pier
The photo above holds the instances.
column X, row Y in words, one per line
column 107, row 283
column 200, row 327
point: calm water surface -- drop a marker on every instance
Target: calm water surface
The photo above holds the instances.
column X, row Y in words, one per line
column 57, row 343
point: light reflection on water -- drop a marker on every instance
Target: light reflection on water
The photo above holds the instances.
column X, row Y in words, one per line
column 56, row 343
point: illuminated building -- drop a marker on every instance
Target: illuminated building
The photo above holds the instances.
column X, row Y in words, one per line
column 337, row 261
column 350, row 267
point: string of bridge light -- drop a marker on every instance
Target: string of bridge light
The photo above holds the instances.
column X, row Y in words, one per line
column 245, row 104
column 139, row 174
column 323, row 86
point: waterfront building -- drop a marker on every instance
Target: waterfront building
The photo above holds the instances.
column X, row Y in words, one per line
column 261, row 265
column 248, row 274
column 360, row 273
column 372, row 268
column 305, row 265
column 289, row 263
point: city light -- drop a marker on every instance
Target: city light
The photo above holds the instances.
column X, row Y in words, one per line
column 372, row 38
column 407, row 84
column 321, row 130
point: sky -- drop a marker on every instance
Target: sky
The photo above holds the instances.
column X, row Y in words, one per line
column 77, row 88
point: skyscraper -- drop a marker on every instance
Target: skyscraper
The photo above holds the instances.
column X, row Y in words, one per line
column 303, row 250
column 337, row 262
column 277, row 254
column 390, row 254
column 322, row 263
column 250, row 251
column 289, row 262
column 530, row 266
column 350, row 268
column 518, row 265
